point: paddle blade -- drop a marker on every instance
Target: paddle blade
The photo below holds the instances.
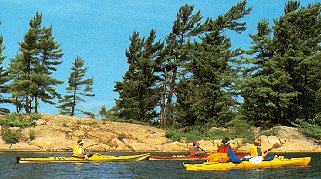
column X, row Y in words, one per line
column 276, row 145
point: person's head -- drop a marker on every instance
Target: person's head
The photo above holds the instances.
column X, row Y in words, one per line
column 226, row 141
column 195, row 142
column 257, row 142
column 81, row 142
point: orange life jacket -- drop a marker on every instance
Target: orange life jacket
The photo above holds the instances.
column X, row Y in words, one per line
column 218, row 157
column 195, row 150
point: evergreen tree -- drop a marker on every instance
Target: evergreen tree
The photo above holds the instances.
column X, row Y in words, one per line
column 49, row 57
column 186, row 26
column 78, row 86
column 285, row 85
column 205, row 93
column 31, row 68
column 138, row 95
column 4, row 78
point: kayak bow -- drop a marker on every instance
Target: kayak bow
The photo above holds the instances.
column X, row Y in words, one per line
column 276, row 162
column 94, row 158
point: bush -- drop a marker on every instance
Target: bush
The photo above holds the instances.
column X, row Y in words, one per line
column 310, row 130
column 121, row 136
column 10, row 136
column 18, row 120
column 239, row 128
column 32, row 134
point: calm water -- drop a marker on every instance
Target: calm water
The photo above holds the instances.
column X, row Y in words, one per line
column 143, row 169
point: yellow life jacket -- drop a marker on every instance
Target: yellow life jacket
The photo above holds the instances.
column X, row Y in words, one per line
column 218, row 157
column 254, row 150
column 75, row 152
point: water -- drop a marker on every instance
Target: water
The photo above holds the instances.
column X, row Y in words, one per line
column 143, row 169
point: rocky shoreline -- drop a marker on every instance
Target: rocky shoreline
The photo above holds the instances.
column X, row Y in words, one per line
column 59, row 133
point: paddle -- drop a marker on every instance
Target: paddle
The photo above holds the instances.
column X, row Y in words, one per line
column 258, row 159
column 202, row 149
column 274, row 146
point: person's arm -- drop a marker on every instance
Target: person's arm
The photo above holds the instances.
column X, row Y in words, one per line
column 232, row 156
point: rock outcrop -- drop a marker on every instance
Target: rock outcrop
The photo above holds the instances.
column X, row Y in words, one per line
column 60, row 133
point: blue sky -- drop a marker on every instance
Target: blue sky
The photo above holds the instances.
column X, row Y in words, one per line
column 99, row 31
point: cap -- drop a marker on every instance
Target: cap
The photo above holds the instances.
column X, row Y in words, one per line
column 225, row 141
column 81, row 141
column 195, row 142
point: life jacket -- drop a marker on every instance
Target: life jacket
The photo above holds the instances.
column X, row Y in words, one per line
column 223, row 149
column 218, row 157
column 76, row 152
column 255, row 150
column 195, row 150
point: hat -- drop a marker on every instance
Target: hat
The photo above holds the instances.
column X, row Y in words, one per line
column 195, row 142
column 81, row 141
column 225, row 141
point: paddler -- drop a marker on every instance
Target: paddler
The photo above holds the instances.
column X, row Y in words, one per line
column 79, row 150
column 197, row 150
column 256, row 150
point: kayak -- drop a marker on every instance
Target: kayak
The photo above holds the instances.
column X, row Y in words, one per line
column 94, row 158
column 276, row 162
column 185, row 157
column 178, row 157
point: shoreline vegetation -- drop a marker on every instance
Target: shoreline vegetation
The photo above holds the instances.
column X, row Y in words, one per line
column 59, row 133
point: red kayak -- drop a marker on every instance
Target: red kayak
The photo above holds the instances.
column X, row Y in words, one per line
column 178, row 157
column 184, row 157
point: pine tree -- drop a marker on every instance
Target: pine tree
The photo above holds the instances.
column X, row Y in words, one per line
column 206, row 91
column 138, row 95
column 284, row 85
column 37, row 58
column 4, row 78
column 78, row 86
column 186, row 26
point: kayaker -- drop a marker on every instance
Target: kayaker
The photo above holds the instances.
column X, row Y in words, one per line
column 79, row 150
column 224, row 154
column 196, row 150
column 256, row 150
column 225, row 145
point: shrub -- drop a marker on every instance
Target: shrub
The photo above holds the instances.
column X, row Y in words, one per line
column 10, row 136
column 34, row 116
column 32, row 134
column 121, row 136
column 18, row 120
column 241, row 129
column 310, row 130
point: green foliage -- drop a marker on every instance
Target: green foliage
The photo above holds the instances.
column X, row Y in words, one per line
column 18, row 120
column 239, row 128
column 32, row 67
column 121, row 136
column 32, row 134
column 10, row 136
column 310, row 130
column 282, row 78
column 78, row 87
column 34, row 116
column 4, row 78
column 108, row 114
column 138, row 93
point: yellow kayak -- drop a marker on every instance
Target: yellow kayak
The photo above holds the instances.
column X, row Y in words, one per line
column 276, row 162
column 94, row 158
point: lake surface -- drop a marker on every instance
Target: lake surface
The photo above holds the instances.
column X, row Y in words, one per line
column 143, row 169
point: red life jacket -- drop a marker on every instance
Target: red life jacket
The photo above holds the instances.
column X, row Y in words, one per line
column 223, row 148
